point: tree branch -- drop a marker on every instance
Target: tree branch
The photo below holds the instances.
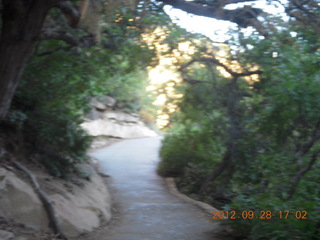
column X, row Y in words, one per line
column 53, row 51
column 225, row 162
column 218, row 63
column 303, row 149
column 227, row 2
column 301, row 173
column 59, row 35
column 84, row 42
column 243, row 17
column 195, row 81
column 71, row 13
column 306, row 12
column 44, row 198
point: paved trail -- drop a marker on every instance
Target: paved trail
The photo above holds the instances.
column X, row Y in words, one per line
column 146, row 210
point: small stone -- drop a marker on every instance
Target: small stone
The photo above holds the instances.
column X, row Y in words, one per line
column 97, row 104
column 108, row 101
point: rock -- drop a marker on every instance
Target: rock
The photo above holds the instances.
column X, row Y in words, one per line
column 84, row 210
column 108, row 101
column 102, row 103
column 5, row 235
column 80, row 209
column 100, row 141
column 117, row 124
column 18, row 201
column 101, row 127
column 93, row 114
column 110, row 124
column 121, row 117
column 95, row 103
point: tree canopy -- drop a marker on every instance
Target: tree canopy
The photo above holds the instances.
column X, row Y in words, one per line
column 245, row 131
column 246, row 136
column 24, row 23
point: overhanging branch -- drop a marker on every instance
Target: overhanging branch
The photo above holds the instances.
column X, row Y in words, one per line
column 59, row 35
column 243, row 17
column 70, row 12
column 218, row 63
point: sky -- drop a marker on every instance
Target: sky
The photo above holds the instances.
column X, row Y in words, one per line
column 217, row 30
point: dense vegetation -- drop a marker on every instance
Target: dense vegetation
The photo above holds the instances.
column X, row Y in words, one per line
column 59, row 81
column 248, row 141
column 251, row 142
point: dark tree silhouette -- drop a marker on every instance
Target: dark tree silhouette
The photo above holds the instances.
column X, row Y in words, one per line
column 22, row 27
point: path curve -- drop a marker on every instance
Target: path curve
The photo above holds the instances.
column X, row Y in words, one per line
column 145, row 208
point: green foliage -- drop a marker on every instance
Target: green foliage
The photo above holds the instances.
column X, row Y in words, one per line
column 286, row 122
column 58, row 84
column 184, row 150
column 279, row 226
column 52, row 102
column 268, row 129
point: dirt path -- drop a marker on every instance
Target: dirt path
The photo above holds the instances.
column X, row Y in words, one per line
column 145, row 210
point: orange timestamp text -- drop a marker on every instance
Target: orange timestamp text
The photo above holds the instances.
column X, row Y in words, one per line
column 285, row 214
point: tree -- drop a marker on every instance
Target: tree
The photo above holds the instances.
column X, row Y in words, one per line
column 23, row 26
column 70, row 76
column 254, row 143
column 305, row 12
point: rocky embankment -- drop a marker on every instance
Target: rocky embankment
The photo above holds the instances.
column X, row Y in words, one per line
column 106, row 123
column 81, row 205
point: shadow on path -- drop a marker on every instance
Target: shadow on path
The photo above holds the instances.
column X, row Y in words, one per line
column 145, row 209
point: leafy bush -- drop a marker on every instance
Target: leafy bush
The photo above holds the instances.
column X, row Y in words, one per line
column 50, row 103
column 280, row 225
column 180, row 150
column 286, row 122
column 269, row 129
column 188, row 155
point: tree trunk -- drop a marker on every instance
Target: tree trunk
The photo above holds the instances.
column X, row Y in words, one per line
column 21, row 26
column 225, row 163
